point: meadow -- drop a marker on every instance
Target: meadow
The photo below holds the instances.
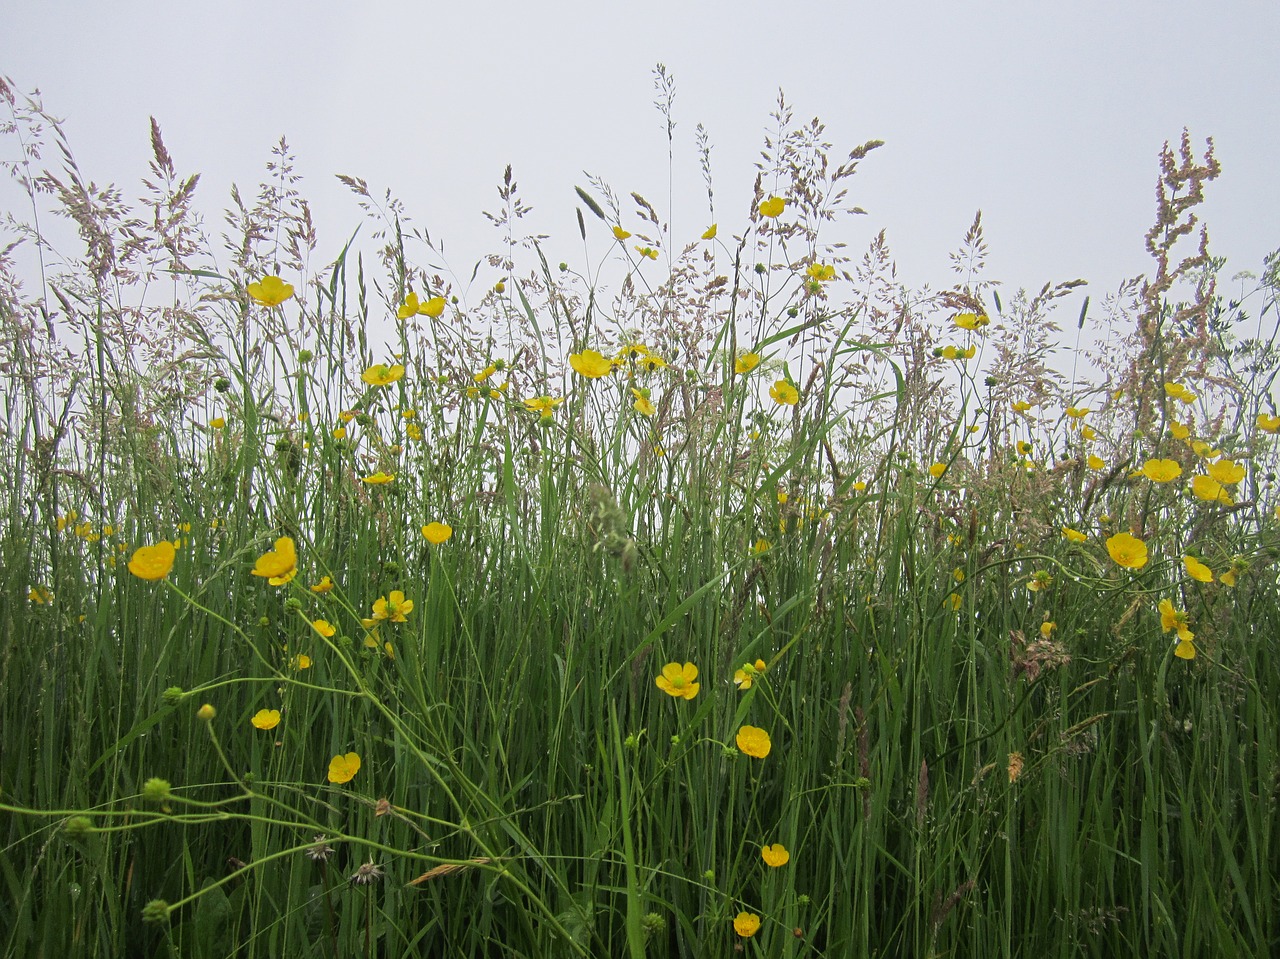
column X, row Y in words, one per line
column 687, row 595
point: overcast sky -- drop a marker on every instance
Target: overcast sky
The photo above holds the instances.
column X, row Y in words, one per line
column 1047, row 116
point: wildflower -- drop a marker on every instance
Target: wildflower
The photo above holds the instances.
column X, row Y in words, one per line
column 1204, row 450
column 382, row 375
column 1074, row 535
column 678, row 681
column 860, row 487
column 1228, row 578
column 500, row 287
column 369, row 872
column 218, row 423
column 937, row 469
column 754, row 741
column 775, row 855
column 821, row 272
column 746, row 924
column 970, row 321
column 206, row 713
column 784, row 393
column 156, row 790
column 414, row 432
column 484, row 374
column 1088, row 433
column 1095, row 462
column 1176, row 390
column 955, row 600
column 544, row 405
column 325, row 584
column 437, row 533
column 279, row 563
column 1078, row 412
column 957, row 352
column 409, row 307
column 1226, row 472
column 324, row 628
column 746, row 362
column 1268, row 424
column 745, row 677
column 1024, row 448
column 1127, row 550
column 301, row 661
column 710, row 232
column 320, row 850
column 590, row 364
column 270, row 291
column 152, row 562
column 1040, row 579
column 1197, row 570
column 1210, row 490
column 1021, row 406
column 266, row 719
column 1047, row 628
column 1180, row 431
column 433, row 308
column 378, row 479
column 393, row 607
column 643, row 404
column 772, row 207
column 648, row 251
column 343, row 768
column 620, row 234
column 40, row 596
column 1161, row 471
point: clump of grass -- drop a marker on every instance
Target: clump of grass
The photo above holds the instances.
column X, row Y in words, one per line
column 712, row 591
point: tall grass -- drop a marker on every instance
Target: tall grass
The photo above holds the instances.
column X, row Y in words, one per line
column 982, row 741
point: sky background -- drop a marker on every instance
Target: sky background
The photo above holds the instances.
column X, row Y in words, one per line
column 1048, row 117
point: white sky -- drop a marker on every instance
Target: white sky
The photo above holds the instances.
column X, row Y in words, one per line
column 1047, row 116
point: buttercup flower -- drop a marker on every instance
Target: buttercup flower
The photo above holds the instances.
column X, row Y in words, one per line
column 153, row 562
column 754, row 741
column 436, row 533
column 325, row 584
column 1226, row 472
column 620, row 234
column 378, row 479
column 710, row 232
column 746, row 924
column 266, row 719
column 784, row 393
column 324, row 628
column 218, row 423
column 937, row 469
column 775, row 855
column 745, row 677
column 393, row 607
column 1197, row 570
column 821, row 272
column 678, row 681
column 1127, row 550
column 1210, row 490
column 648, row 251
column 433, row 307
column 543, row 405
column 409, row 307
column 382, row 375
column 1095, row 462
column 301, row 661
column 1267, row 423
column 279, row 563
column 1161, row 471
column 270, row 291
column 643, row 405
column 1171, row 618
column 971, row 321
column 343, row 768
column 1074, row 535
column 746, row 362
column 772, row 207
column 590, row 364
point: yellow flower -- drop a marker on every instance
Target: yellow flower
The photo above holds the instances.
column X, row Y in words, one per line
column 1095, row 462
column 821, row 272
column 393, row 607
column 678, row 681
column 775, row 855
column 1228, row 578
column 1073, row 534
column 772, row 207
column 937, row 469
column 745, row 677
column 433, row 308
column 651, row 363
column 1197, row 570
column 620, row 234
column 378, row 479
column 746, row 924
column 1021, row 406
column 648, row 251
column 590, row 364
column 1127, row 550
column 1226, row 472
column 1078, row 412
column 746, row 362
column 40, row 596
column 543, row 404
column 1024, row 448
column 860, row 487
column 324, row 628
column 643, row 404
column 754, row 741
column 957, row 352
column 1047, row 628
column 343, row 768
column 1039, row 580
column 382, row 375
column 487, row 372
column 347, row 415
column 1268, row 424
column 710, row 232
column 1177, row 391
column 266, row 719
column 409, row 307
column 270, row 291
column 1161, row 471
column 279, row 562
column 955, row 600
column 1204, row 450
column 784, row 393
column 301, row 661
column 325, row 584
column 437, row 533
column 1088, row 432
column 970, row 321
column 1180, row 431
column 218, row 423
column 1171, row 618
column 1210, row 490
column 206, row 713
column 153, row 562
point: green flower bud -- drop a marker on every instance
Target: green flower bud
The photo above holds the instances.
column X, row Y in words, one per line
column 156, row 790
